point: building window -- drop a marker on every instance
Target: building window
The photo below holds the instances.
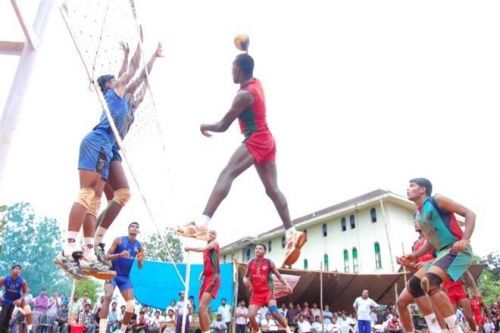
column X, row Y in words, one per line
column 248, row 254
column 283, row 242
column 325, row 230
column 343, row 223
column 325, row 262
column 355, row 266
column 378, row 257
column 224, row 258
column 346, row 261
column 352, row 221
column 306, row 264
column 269, row 246
column 373, row 215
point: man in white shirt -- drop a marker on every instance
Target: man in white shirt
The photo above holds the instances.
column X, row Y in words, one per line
column 218, row 325
column 180, row 311
column 363, row 306
column 317, row 325
column 303, row 325
column 225, row 311
column 327, row 315
column 241, row 317
column 315, row 311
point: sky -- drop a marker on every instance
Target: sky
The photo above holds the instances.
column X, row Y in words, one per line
column 360, row 95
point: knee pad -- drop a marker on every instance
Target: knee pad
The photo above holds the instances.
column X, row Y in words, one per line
column 415, row 287
column 27, row 309
column 85, row 197
column 129, row 306
column 121, row 196
column 431, row 283
column 273, row 309
column 94, row 206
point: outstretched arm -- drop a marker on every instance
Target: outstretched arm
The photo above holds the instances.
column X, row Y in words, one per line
column 470, row 219
column 212, row 245
column 280, row 278
column 125, row 78
column 131, row 88
column 242, row 101
column 126, row 51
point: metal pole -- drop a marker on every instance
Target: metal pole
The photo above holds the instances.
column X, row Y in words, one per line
column 387, row 235
column 20, row 84
column 186, row 291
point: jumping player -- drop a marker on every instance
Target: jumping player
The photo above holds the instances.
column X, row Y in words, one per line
column 211, row 277
column 454, row 254
column 117, row 190
column 258, row 278
column 15, row 289
column 258, row 149
column 122, row 253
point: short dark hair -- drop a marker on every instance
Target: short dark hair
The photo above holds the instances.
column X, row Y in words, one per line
column 263, row 245
column 102, row 80
column 245, row 63
column 423, row 182
column 132, row 223
column 14, row 266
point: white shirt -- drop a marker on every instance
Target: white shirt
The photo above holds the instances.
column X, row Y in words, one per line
column 363, row 307
column 304, row 327
column 317, row 326
column 180, row 307
column 225, row 312
column 241, row 315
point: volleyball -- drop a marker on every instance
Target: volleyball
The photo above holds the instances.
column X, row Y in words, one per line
column 241, row 42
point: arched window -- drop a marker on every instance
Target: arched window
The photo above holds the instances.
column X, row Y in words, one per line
column 247, row 255
column 373, row 215
column 325, row 262
column 352, row 221
column 343, row 223
column 269, row 246
column 306, row 264
column 355, row 266
column 346, row 261
column 325, row 230
column 283, row 242
column 378, row 257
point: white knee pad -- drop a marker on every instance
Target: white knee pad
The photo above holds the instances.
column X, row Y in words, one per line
column 95, row 204
column 129, row 306
column 85, row 197
column 121, row 196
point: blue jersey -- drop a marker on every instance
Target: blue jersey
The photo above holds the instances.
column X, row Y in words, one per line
column 122, row 266
column 439, row 226
column 12, row 289
column 118, row 107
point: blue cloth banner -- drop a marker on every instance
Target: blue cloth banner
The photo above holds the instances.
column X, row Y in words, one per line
column 157, row 283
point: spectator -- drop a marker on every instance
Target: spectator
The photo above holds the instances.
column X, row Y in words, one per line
column 488, row 326
column 269, row 324
column 40, row 306
column 327, row 315
column 87, row 319
column 61, row 320
column 241, row 317
column 123, row 308
column 85, row 300
column 306, row 312
column 172, row 306
column 261, row 314
column 114, row 318
column 317, row 325
column 283, row 310
column 219, row 325
column 141, row 324
column 16, row 320
column 155, row 323
column 225, row 311
column 315, row 311
column 170, row 321
column 393, row 325
column 363, row 307
column 51, row 311
column 291, row 315
column 191, row 300
column 180, row 311
column 303, row 325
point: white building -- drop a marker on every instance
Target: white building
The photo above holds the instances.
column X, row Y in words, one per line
column 360, row 235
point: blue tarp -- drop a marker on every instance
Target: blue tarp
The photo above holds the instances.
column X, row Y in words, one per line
column 157, row 283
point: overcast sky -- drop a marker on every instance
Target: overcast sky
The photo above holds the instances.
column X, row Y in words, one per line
column 360, row 95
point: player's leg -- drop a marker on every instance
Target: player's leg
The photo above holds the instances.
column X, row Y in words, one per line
column 404, row 299
column 252, row 315
column 128, row 296
column 469, row 316
column 204, row 316
column 109, row 288
column 273, row 310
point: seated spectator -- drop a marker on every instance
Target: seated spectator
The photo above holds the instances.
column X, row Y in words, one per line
column 114, row 318
column 315, row 311
column 170, row 322
column 141, row 324
column 291, row 316
column 393, row 325
column 86, row 319
column 317, row 325
column 283, row 310
column 269, row 324
column 488, row 325
column 306, row 312
column 155, row 322
column 218, row 325
column 61, row 320
column 303, row 325
column 261, row 314
column 327, row 315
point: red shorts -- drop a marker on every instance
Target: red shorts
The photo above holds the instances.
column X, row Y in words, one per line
column 261, row 298
column 479, row 318
column 262, row 146
column 209, row 285
column 455, row 292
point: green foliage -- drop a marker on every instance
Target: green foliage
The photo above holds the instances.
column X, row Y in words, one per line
column 89, row 287
column 31, row 241
column 489, row 281
column 156, row 249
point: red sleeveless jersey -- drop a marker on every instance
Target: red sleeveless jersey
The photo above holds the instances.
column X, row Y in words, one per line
column 426, row 257
column 253, row 119
column 211, row 258
column 259, row 272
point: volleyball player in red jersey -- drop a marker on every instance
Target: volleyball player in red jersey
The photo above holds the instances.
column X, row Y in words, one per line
column 458, row 296
column 260, row 281
column 211, row 277
column 258, row 148
column 478, row 305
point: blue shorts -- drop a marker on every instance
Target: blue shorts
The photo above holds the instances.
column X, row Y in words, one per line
column 116, row 154
column 95, row 154
column 453, row 263
column 122, row 282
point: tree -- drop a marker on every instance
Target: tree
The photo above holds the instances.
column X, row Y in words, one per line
column 31, row 241
column 489, row 281
column 89, row 287
column 156, row 250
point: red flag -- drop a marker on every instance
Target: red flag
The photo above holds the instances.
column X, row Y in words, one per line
column 279, row 288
